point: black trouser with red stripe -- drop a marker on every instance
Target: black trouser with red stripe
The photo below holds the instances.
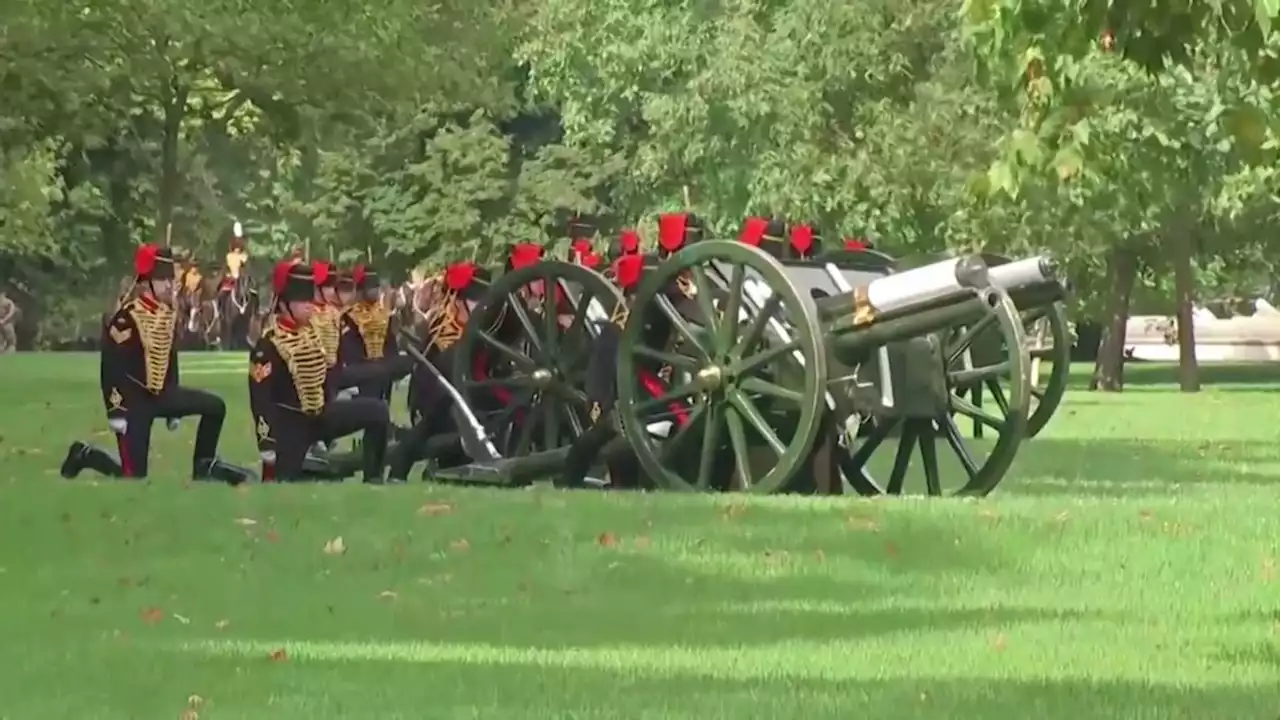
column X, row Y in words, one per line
column 134, row 444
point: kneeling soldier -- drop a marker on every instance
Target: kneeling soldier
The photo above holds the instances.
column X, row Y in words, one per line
column 367, row 350
column 139, row 377
column 290, row 393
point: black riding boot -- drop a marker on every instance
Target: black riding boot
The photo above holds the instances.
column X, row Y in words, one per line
column 83, row 456
column 216, row 470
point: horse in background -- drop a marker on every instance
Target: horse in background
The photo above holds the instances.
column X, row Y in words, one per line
column 238, row 310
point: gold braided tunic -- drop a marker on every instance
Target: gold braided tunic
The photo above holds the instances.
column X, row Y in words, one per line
column 139, row 358
column 326, row 326
column 288, row 380
column 372, row 322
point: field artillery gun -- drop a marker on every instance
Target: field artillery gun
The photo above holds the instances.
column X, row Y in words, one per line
column 837, row 359
column 868, row 346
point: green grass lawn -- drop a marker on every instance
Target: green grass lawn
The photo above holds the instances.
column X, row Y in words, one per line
column 1126, row 569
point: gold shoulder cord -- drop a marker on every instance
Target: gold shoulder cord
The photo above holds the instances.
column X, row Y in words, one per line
column 308, row 367
column 326, row 324
column 373, row 321
column 155, row 332
column 445, row 329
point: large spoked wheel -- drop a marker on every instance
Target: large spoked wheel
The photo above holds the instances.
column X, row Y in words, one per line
column 522, row 362
column 973, row 467
column 750, row 374
column 1048, row 339
column 1049, row 343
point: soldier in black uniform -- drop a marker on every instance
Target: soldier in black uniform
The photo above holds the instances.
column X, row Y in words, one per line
column 429, row 402
column 290, row 391
column 139, row 377
column 367, row 349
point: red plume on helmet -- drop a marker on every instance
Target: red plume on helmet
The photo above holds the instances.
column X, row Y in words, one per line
column 458, row 276
column 854, row 244
column 280, row 275
column 671, row 229
column 358, row 274
column 524, row 255
column 629, row 242
column 589, row 259
column 802, row 239
column 753, row 231
column 627, row 271
column 323, row 272
column 581, row 246
column 145, row 259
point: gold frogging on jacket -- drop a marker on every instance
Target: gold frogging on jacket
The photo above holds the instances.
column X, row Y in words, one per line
column 155, row 333
column 373, row 321
column 326, row 325
column 445, row 329
column 308, row 367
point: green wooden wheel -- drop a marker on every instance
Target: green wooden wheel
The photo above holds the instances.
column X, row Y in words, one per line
column 981, row 466
column 1048, row 342
column 735, row 380
column 525, row 378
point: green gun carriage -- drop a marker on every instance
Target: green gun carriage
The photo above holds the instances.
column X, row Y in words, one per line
column 837, row 356
column 806, row 368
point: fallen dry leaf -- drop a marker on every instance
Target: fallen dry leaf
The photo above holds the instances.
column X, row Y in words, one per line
column 432, row 509
column 194, row 701
column 189, row 714
column 1268, row 569
column 819, row 555
column 999, row 642
column 1146, row 514
column 335, row 546
column 732, row 511
column 607, row 539
column 891, row 550
column 460, row 545
column 643, row 542
column 152, row 615
column 221, row 624
column 273, row 536
column 862, row 524
column 1062, row 517
column 278, row 655
column 246, row 521
column 182, row 619
column 387, row 595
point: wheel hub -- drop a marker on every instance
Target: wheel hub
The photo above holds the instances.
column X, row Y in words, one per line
column 541, row 377
column 711, row 377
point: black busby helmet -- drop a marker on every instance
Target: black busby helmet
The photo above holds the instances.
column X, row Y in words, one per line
column 152, row 262
column 293, row 281
column 677, row 230
column 364, row 277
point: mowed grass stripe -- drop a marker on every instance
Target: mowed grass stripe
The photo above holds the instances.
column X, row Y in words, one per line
column 1126, row 569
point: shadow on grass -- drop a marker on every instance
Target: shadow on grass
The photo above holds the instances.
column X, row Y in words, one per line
column 1119, row 468
column 549, row 691
column 1228, row 377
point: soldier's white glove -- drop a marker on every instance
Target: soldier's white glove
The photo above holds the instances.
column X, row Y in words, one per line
column 172, row 423
column 119, row 426
column 268, row 457
column 348, row 393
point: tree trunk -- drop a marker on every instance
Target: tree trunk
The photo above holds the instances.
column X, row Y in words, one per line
column 175, row 111
column 1181, row 251
column 1108, row 369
